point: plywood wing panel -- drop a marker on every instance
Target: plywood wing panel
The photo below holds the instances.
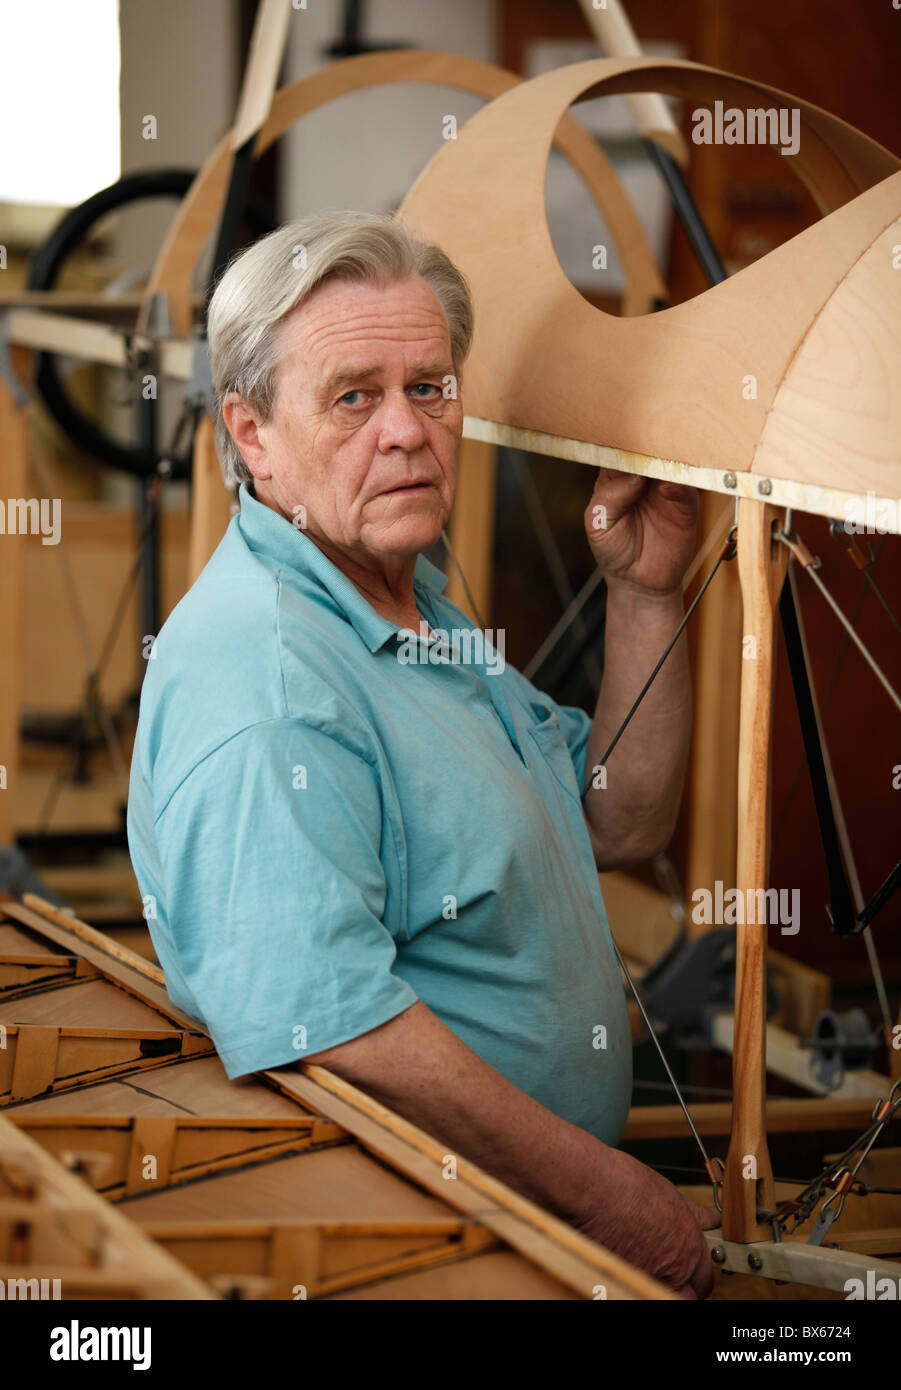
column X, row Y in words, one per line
column 84, row 1005
column 673, row 385
column 838, row 408
column 336, row 1184
column 495, row 1276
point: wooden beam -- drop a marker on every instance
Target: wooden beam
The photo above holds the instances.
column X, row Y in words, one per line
column 640, row 918
column 131, row 972
column 616, row 39
column 803, row 993
column 883, row 1242
column 321, row 1257
column 786, row 1058
column 210, row 500
column 95, row 342
column 472, row 528
column 803, row 496
column 21, row 973
column 267, row 46
column 748, row 1182
column 783, row 1116
column 36, row 1059
column 713, row 770
column 572, row 1258
column 113, row 1148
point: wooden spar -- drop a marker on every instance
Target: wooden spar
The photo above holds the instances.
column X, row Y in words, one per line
column 96, row 342
column 830, row 501
column 267, row 47
column 210, row 500
column 472, row 528
column 748, row 1183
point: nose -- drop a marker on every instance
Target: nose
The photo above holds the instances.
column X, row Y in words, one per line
column 399, row 424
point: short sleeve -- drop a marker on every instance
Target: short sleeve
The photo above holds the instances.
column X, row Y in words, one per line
column 575, row 724
column 274, row 896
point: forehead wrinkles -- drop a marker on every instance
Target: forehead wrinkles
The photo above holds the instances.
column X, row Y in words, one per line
column 341, row 313
column 335, row 332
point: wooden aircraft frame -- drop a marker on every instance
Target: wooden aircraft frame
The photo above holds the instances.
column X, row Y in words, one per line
column 816, row 300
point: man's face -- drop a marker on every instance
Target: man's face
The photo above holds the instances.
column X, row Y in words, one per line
column 362, row 434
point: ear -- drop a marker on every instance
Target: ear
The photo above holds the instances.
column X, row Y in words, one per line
column 244, row 426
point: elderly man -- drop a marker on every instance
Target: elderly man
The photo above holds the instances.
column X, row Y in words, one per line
column 383, row 865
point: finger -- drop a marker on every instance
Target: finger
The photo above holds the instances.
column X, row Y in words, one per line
column 681, row 494
column 616, row 493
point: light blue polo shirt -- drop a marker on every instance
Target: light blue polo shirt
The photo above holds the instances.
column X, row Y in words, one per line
column 330, row 821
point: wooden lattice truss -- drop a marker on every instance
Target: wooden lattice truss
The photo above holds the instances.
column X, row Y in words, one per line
column 289, row 1185
column 130, row 1167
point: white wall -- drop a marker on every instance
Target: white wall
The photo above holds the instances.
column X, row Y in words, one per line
column 364, row 150
column 179, row 60
column 179, row 64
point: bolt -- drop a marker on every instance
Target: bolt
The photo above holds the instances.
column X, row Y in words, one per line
column 718, row 1255
column 764, row 487
column 729, row 480
column 755, row 1261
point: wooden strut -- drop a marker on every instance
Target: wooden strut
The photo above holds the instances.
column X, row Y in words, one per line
column 748, row 1182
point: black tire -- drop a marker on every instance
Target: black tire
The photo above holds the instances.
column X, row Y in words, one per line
column 44, row 268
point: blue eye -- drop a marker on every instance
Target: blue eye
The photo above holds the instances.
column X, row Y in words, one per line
column 425, row 386
column 347, row 394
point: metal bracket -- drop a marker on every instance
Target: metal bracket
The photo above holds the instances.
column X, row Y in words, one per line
column 839, row 1041
column 199, row 390
column 19, row 392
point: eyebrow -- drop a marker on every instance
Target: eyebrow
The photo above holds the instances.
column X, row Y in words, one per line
column 350, row 376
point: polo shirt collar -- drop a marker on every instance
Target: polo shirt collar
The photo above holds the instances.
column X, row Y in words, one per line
column 268, row 532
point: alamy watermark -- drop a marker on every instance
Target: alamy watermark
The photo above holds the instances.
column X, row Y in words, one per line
column 459, row 646
column 85, row 1343
column 757, row 126
column 31, row 516
column 22, row 1290
column 738, row 907
column 869, row 515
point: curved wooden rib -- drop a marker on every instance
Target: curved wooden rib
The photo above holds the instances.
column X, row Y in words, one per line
column 202, row 204
column 673, row 385
column 837, row 409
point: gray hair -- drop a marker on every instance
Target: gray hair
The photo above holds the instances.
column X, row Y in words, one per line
column 263, row 284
